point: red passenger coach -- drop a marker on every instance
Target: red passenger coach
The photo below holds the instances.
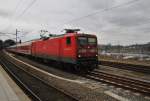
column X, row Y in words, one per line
column 23, row 48
column 74, row 48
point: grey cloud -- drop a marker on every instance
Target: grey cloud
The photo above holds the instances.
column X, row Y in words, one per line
column 126, row 24
column 4, row 13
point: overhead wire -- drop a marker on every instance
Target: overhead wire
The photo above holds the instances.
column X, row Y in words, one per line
column 102, row 10
column 17, row 7
column 15, row 11
column 82, row 17
column 27, row 8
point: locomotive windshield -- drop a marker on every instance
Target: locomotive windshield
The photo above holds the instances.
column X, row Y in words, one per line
column 87, row 41
column 82, row 40
column 92, row 41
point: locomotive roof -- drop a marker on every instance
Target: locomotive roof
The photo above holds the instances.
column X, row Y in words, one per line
column 79, row 34
column 71, row 34
column 65, row 35
column 55, row 36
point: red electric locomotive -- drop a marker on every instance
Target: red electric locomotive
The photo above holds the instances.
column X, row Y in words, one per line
column 73, row 48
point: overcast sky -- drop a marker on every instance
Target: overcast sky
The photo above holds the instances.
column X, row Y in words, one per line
column 113, row 21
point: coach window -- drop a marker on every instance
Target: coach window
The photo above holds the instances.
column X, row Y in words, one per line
column 68, row 40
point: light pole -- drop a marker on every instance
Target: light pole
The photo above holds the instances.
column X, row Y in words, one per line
column 16, row 36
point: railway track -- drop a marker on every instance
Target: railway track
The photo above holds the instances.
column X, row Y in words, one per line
column 131, row 67
column 26, row 89
column 33, row 86
column 120, row 81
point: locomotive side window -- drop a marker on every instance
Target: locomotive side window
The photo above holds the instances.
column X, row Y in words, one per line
column 68, row 40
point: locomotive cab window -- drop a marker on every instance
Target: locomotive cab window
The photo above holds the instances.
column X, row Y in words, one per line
column 68, row 40
column 92, row 41
column 82, row 40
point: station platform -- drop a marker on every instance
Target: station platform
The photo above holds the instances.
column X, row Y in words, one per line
column 9, row 90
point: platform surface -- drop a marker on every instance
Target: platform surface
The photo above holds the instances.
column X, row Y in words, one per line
column 9, row 90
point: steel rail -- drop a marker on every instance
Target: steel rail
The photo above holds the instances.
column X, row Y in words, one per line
column 75, row 99
column 27, row 90
column 135, row 85
column 126, row 66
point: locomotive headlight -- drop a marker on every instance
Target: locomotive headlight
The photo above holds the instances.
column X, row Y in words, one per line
column 96, row 55
column 79, row 56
